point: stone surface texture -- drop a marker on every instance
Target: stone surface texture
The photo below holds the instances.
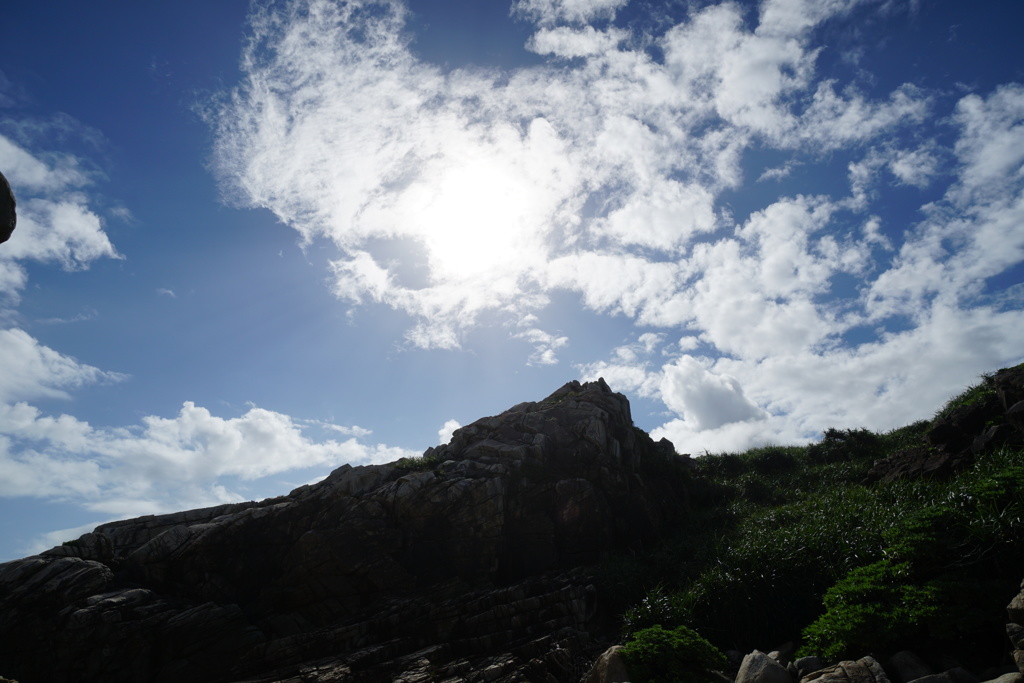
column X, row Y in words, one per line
column 863, row 670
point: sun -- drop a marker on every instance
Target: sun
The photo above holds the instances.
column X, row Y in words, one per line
column 479, row 220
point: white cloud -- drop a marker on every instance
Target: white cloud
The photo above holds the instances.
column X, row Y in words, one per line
column 605, row 172
column 544, row 345
column 163, row 464
column 444, row 434
column 705, row 399
column 553, row 11
column 55, row 538
column 992, row 145
column 33, row 371
column 510, row 185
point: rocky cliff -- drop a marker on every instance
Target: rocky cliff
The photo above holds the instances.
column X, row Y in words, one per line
column 470, row 563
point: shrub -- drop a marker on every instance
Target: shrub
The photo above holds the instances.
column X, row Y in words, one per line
column 656, row 655
column 420, row 464
column 658, row 608
column 870, row 609
column 842, row 445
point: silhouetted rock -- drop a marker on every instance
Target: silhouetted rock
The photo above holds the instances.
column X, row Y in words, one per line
column 908, row 666
column 992, row 419
column 473, row 558
column 8, row 217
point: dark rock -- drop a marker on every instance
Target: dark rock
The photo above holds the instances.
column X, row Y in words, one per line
column 917, row 462
column 1015, row 610
column 993, row 437
column 8, row 216
column 908, row 666
column 470, row 559
column 784, row 653
column 808, row 665
column 1009, row 386
column 955, row 431
column 1015, row 632
column 955, row 675
column 1015, row 416
column 863, row 670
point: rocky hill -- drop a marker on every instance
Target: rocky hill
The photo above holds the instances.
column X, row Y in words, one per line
column 470, row 563
column 537, row 538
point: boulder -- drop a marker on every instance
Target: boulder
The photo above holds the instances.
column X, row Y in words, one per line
column 863, row 670
column 1009, row 386
column 1015, row 632
column 1014, row 677
column 609, row 668
column 807, row 665
column 954, row 675
column 1015, row 610
column 757, row 667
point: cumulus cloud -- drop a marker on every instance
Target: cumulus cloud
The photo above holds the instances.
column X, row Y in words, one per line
column 162, row 464
column 444, row 434
column 703, row 398
column 606, row 171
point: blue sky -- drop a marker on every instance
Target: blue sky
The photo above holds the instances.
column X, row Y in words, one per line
column 259, row 241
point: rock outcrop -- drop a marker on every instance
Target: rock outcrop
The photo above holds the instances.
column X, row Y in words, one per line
column 8, row 216
column 470, row 563
column 992, row 418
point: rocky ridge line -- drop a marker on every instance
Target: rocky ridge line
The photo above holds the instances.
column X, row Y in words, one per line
column 470, row 563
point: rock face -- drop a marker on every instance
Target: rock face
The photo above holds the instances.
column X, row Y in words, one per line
column 8, row 217
column 995, row 418
column 467, row 564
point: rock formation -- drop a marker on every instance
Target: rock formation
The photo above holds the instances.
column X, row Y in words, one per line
column 8, row 217
column 994, row 418
column 467, row 564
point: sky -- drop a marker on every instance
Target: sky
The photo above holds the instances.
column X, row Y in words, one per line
column 257, row 241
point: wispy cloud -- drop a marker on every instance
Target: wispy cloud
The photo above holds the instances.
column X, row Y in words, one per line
column 603, row 171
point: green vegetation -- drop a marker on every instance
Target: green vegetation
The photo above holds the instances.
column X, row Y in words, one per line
column 656, row 655
column 790, row 542
column 422, row 463
column 979, row 394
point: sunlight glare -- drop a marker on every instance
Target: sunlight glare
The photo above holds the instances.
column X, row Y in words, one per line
column 479, row 221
